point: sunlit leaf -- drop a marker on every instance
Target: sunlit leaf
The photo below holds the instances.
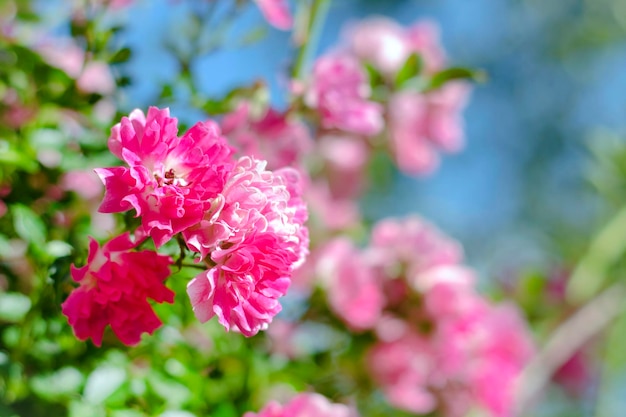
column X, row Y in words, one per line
column 65, row 381
column 177, row 413
column 410, row 69
column 28, row 225
column 13, row 306
column 102, row 383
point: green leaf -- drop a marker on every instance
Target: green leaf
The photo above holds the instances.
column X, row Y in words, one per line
column 375, row 77
column 177, row 413
column 65, row 381
column 28, row 225
column 455, row 73
column 120, row 56
column 217, row 107
column 127, row 413
column 58, row 248
column 172, row 392
column 82, row 409
column 412, row 68
column 225, row 410
column 7, row 412
column 13, row 306
column 102, row 383
column 13, row 157
column 167, row 92
column 605, row 250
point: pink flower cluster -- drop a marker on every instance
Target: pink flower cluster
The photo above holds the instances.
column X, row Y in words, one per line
column 339, row 90
column 246, row 223
column 254, row 236
column 115, row 286
column 419, row 123
column 441, row 346
column 416, row 123
column 305, row 405
column 91, row 76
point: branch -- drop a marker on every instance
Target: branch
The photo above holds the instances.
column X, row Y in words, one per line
column 565, row 341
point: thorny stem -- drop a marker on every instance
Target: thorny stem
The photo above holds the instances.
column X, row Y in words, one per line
column 315, row 23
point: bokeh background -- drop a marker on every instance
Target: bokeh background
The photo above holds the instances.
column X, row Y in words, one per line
column 542, row 169
column 555, row 87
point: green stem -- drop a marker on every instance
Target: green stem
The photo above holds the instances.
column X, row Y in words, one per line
column 197, row 266
column 605, row 250
column 317, row 15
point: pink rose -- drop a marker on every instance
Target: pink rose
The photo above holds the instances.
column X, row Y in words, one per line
column 115, row 286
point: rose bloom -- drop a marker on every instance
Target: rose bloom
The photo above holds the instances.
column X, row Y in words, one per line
column 115, row 286
column 255, row 237
column 168, row 180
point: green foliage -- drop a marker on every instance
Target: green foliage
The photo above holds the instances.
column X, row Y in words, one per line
column 455, row 73
column 411, row 68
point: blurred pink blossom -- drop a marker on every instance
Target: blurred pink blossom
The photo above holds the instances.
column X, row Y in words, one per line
column 455, row 366
column 115, row 286
column 84, row 183
column 339, row 90
column 96, row 77
column 380, row 42
column 91, row 76
column 354, row 292
column 384, row 44
column 413, row 243
column 14, row 112
column 421, row 124
column 63, row 54
column 346, row 159
column 423, row 38
column 276, row 13
column 89, row 187
column 403, row 367
column 119, row 4
column 441, row 345
column 329, row 212
column 305, row 405
column 276, row 137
